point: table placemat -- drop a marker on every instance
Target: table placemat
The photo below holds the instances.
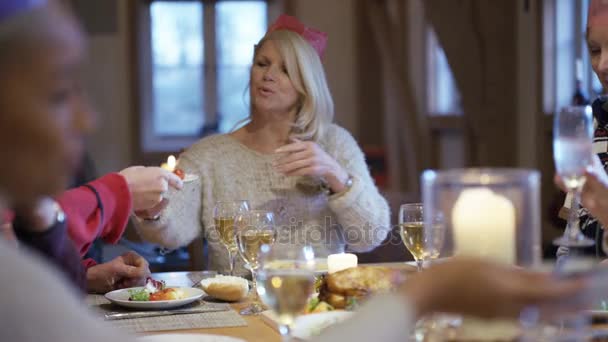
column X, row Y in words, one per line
column 221, row 319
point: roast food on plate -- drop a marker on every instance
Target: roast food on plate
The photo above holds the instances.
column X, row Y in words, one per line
column 227, row 288
column 344, row 289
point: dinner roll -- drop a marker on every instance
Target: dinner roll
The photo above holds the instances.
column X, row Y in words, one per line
column 228, row 288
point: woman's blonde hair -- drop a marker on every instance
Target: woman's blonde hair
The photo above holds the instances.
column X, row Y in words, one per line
column 315, row 105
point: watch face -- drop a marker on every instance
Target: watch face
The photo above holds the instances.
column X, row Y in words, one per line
column 60, row 214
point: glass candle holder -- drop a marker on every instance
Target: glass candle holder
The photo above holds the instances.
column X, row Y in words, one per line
column 489, row 213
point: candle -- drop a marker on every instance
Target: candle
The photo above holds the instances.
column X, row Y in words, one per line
column 342, row 261
column 170, row 164
column 484, row 225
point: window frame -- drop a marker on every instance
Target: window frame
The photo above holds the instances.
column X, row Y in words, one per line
column 149, row 147
column 432, row 55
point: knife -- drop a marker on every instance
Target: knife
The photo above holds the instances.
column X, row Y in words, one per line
column 112, row 316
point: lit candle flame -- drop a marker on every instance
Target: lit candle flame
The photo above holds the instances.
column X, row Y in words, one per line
column 170, row 164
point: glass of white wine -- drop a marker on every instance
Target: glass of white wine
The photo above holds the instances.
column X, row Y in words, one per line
column 573, row 154
column 224, row 214
column 424, row 243
column 286, row 280
column 254, row 228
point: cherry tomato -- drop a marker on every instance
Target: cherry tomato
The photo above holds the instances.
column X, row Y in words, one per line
column 180, row 173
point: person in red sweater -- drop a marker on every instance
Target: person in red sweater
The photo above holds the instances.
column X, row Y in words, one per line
column 101, row 209
column 45, row 116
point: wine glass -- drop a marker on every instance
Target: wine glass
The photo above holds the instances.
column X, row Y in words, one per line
column 286, row 280
column 224, row 215
column 423, row 242
column 573, row 154
column 254, row 229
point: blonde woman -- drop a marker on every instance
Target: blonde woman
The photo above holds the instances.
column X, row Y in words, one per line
column 288, row 158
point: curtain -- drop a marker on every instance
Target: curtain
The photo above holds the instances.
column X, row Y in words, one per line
column 479, row 40
column 406, row 128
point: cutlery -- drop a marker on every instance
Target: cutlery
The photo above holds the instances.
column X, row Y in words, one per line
column 112, row 316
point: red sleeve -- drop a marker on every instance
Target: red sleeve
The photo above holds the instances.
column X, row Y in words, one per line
column 90, row 217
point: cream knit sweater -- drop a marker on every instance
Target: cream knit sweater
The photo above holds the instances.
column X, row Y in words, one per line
column 228, row 170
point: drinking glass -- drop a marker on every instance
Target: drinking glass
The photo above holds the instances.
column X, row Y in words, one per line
column 423, row 242
column 224, row 215
column 286, row 280
column 254, row 229
column 573, row 154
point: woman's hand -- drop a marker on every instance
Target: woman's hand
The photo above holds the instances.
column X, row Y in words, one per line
column 594, row 195
column 307, row 158
column 127, row 270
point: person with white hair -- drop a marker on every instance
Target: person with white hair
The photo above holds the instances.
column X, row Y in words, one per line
column 289, row 158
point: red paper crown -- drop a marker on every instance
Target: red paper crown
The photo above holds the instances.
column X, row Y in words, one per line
column 316, row 38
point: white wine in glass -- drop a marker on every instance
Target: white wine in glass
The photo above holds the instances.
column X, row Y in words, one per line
column 224, row 215
column 225, row 228
column 254, row 229
column 412, row 234
column 573, row 154
column 286, row 290
column 412, row 231
column 424, row 243
column 249, row 243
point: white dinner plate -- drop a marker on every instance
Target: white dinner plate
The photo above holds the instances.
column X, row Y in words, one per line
column 188, row 338
column 121, row 297
column 189, row 177
column 311, row 325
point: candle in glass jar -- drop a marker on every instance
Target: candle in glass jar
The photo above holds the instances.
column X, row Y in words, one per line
column 484, row 225
column 170, row 164
column 339, row 262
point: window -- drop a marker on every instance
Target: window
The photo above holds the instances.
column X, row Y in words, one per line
column 443, row 97
column 566, row 59
column 195, row 57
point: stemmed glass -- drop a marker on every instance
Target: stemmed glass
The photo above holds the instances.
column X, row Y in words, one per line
column 224, row 214
column 423, row 242
column 573, row 154
column 254, row 229
column 286, row 281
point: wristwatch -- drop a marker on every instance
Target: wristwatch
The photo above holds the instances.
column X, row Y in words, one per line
column 59, row 213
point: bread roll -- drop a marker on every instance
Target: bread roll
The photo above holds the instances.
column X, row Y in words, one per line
column 228, row 288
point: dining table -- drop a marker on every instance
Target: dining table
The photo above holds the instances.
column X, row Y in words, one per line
column 256, row 328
